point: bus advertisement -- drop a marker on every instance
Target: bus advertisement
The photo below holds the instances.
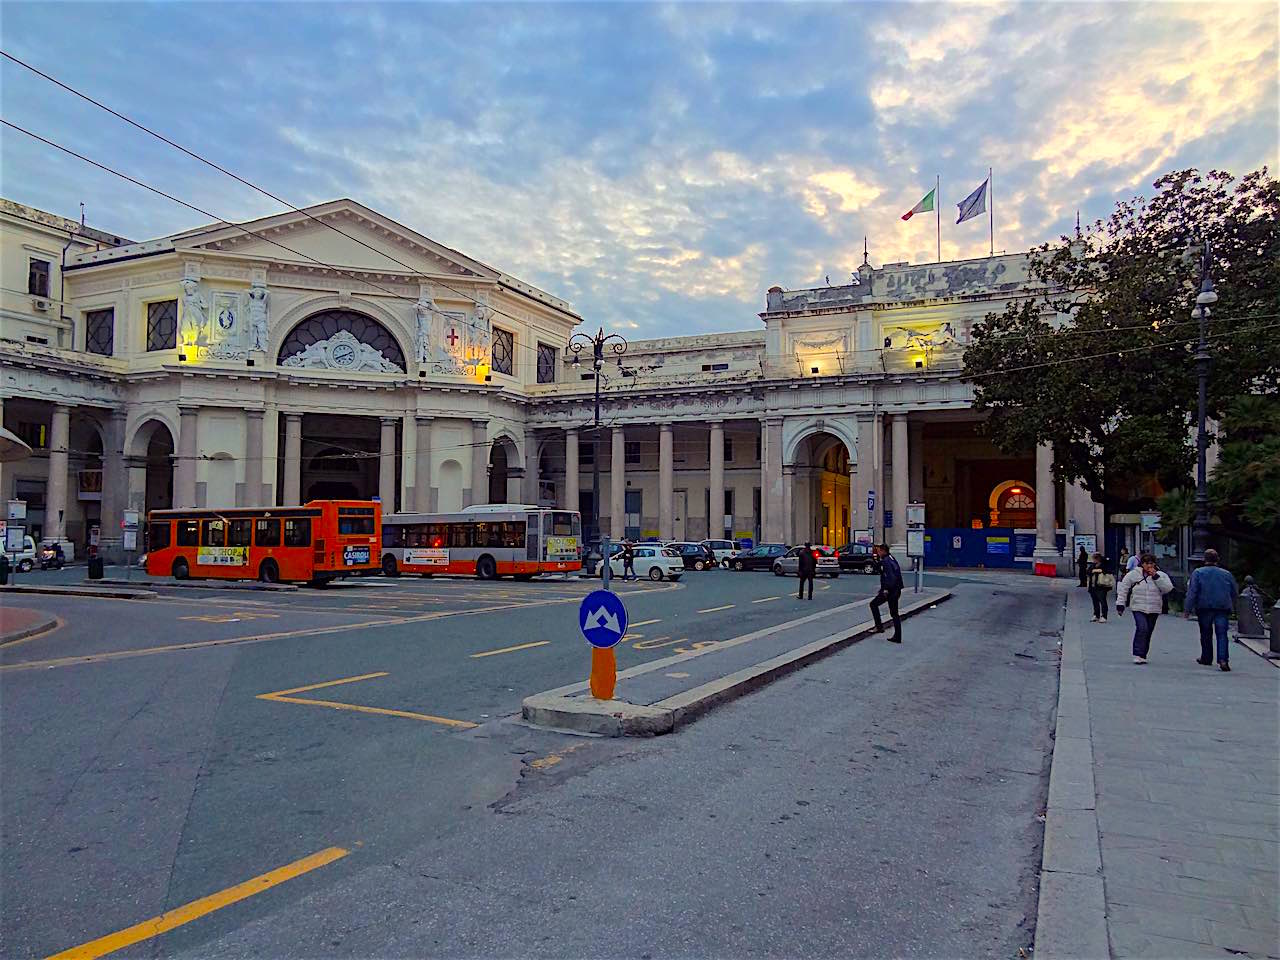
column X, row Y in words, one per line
column 487, row 541
column 315, row 543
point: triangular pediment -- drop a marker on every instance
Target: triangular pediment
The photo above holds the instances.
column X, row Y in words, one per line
column 340, row 233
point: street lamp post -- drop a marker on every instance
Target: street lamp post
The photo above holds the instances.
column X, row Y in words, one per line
column 1205, row 299
column 577, row 343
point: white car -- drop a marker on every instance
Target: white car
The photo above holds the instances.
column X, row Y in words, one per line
column 725, row 550
column 653, row 561
column 25, row 560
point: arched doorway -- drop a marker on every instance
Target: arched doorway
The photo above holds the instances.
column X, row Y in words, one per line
column 334, row 473
column 84, row 503
column 1013, row 504
column 820, row 490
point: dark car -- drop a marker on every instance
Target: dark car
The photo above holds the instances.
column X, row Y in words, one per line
column 696, row 556
column 856, row 558
column 759, row 558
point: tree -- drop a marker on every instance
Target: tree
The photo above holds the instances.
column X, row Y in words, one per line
column 1101, row 362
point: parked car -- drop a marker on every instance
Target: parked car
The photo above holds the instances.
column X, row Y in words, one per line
column 788, row 565
column 723, row 550
column 652, row 560
column 758, row 558
column 696, row 556
column 25, row 559
column 856, row 558
column 591, row 556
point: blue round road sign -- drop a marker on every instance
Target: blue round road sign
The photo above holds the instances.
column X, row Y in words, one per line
column 602, row 618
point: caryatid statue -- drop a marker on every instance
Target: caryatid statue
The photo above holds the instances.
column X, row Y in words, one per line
column 258, row 332
column 424, row 310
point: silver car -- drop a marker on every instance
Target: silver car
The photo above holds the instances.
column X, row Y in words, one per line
column 788, row 565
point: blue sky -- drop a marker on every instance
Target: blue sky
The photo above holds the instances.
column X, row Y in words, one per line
column 660, row 166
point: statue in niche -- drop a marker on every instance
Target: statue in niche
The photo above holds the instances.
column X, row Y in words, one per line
column 195, row 318
column 258, row 332
column 482, row 330
column 424, row 310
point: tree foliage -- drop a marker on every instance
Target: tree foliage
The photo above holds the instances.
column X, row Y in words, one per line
column 1101, row 363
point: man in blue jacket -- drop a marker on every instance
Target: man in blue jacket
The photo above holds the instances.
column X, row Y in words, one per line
column 890, row 591
column 1211, row 596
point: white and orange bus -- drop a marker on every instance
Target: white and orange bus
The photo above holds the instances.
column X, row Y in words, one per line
column 315, row 543
column 488, row 540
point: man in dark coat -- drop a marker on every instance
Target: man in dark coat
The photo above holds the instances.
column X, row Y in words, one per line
column 890, row 591
column 807, row 567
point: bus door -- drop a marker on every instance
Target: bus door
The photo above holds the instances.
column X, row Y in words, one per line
column 532, row 539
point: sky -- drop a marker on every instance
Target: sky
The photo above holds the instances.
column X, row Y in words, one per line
column 660, row 166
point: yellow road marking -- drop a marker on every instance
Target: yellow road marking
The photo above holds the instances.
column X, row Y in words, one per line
column 282, row 696
column 727, row 606
column 766, row 599
column 198, row 908
column 632, row 636
column 698, row 645
column 232, row 617
column 656, row 642
column 645, row 623
column 518, row 646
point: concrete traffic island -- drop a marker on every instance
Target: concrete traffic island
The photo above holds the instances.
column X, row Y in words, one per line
column 656, row 698
column 89, row 589
column 19, row 623
column 199, row 584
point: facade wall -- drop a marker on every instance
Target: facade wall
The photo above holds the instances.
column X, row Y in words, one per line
column 381, row 358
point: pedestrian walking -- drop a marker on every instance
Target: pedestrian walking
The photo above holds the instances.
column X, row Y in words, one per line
column 1143, row 589
column 890, row 591
column 1134, row 561
column 1101, row 582
column 1211, row 596
column 628, row 562
column 1124, row 561
column 1082, row 567
column 807, row 567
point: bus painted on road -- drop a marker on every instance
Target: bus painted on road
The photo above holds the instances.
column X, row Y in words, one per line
column 314, row 543
column 488, row 541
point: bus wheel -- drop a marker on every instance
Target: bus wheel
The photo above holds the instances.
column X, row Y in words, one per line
column 389, row 566
column 180, row 569
column 486, row 568
column 269, row 572
column 655, row 573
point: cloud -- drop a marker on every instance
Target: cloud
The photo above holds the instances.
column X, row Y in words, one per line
column 659, row 166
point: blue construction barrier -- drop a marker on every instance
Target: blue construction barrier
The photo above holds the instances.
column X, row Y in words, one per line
column 991, row 547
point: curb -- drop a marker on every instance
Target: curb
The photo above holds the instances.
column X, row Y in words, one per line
column 15, row 635
column 617, row 718
column 1259, row 646
column 1071, row 916
column 75, row 591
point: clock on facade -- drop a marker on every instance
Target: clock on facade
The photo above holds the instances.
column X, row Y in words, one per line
column 343, row 355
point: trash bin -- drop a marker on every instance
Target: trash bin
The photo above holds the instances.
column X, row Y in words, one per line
column 95, row 568
column 4, row 570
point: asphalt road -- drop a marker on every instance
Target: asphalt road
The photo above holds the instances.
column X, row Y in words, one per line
column 881, row 801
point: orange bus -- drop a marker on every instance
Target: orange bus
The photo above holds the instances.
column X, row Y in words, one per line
column 487, row 540
column 315, row 543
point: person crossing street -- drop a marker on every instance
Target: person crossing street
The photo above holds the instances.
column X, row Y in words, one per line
column 890, row 591
column 807, row 568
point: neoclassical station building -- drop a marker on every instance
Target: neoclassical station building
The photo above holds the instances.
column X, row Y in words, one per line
column 337, row 353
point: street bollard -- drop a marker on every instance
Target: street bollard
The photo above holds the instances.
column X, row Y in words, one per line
column 1250, row 620
column 1274, row 653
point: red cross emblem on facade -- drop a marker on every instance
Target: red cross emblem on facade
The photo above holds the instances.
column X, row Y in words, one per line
column 453, row 337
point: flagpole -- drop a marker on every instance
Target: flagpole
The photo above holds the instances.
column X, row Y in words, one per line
column 991, row 213
column 937, row 207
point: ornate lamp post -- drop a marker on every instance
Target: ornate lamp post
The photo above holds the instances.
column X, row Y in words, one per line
column 577, row 343
column 1204, row 300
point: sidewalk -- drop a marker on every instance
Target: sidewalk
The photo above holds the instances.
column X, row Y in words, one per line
column 1162, row 836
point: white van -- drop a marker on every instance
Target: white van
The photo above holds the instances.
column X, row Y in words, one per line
column 26, row 559
column 725, row 550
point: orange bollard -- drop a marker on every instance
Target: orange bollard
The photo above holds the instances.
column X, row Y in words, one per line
column 604, row 672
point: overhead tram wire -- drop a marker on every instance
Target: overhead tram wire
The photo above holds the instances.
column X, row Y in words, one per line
column 253, row 233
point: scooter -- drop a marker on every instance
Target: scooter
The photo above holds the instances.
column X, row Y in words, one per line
column 51, row 557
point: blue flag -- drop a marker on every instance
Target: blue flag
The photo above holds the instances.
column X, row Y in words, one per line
column 974, row 204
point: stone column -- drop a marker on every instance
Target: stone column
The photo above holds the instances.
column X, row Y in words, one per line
column 479, row 492
column 570, row 492
column 184, row 474
column 788, row 504
column 666, row 483
column 901, row 482
column 1046, row 504
column 254, row 452
column 532, row 479
column 916, row 456
column 618, row 485
column 55, row 511
column 292, row 495
column 115, row 485
column 422, row 465
column 715, row 522
column 387, row 464
column 774, row 525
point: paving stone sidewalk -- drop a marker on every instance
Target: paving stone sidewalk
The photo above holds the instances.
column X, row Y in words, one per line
column 1186, row 783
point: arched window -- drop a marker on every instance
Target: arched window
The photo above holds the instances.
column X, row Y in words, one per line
column 323, row 329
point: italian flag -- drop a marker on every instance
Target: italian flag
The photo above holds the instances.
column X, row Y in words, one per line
column 924, row 206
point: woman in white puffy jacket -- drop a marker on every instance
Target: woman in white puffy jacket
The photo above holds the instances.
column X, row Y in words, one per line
column 1143, row 589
